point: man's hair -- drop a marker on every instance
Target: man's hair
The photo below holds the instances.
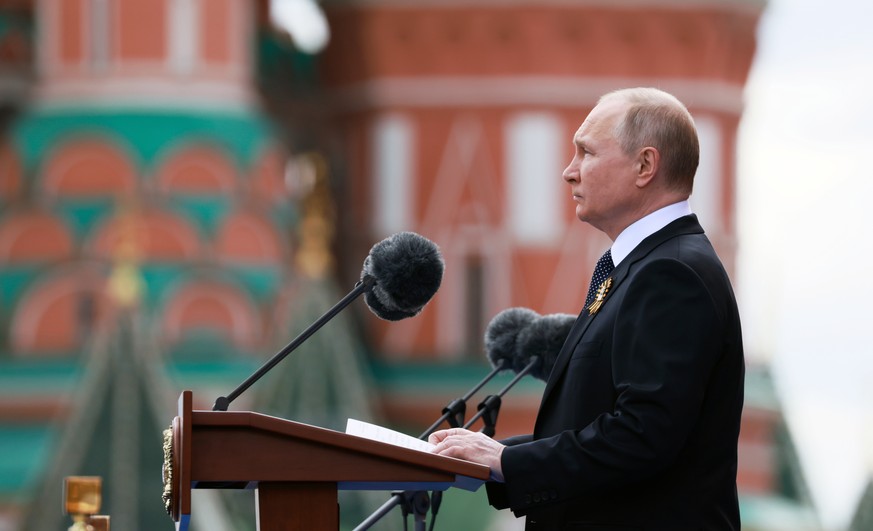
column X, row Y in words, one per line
column 657, row 119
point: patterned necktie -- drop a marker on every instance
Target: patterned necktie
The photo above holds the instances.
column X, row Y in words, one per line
column 601, row 272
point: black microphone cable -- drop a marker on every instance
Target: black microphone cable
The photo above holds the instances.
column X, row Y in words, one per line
column 436, row 499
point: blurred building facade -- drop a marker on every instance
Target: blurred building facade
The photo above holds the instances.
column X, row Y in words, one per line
column 157, row 232
column 146, row 238
column 457, row 119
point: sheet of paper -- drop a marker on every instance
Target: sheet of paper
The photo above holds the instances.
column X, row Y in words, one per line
column 382, row 434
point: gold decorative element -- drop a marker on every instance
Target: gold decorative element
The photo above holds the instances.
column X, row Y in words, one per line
column 316, row 229
column 167, row 471
column 126, row 285
column 82, row 498
column 600, row 296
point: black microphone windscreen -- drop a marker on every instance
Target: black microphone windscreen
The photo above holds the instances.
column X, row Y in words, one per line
column 408, row 269
column 544, row 338
column 501, row 335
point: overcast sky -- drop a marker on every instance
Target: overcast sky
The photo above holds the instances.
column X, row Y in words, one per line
column 805, row 200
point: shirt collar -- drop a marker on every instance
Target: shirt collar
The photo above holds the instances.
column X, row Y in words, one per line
column 644, row 227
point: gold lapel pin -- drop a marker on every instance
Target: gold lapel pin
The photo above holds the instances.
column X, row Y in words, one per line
column 600, row 296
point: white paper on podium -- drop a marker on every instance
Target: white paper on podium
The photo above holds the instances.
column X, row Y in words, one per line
column 374, row 432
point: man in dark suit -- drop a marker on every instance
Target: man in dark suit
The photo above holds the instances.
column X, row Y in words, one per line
column 639, row 421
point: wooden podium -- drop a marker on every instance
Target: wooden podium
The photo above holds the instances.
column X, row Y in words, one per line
column 295, row 468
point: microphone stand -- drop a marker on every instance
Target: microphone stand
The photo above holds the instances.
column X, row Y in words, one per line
column 488, row 410
column 454, row 414
column 490, row 406
column 361, row 287
column 456, row 409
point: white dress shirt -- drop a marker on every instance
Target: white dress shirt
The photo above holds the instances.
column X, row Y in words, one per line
column 644, row 227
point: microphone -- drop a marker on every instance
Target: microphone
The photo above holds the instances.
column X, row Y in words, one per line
column 501, row 336
column 400, row 275
column 544, row 337
column 408, row 269
column 516, row 335
column 503, row 349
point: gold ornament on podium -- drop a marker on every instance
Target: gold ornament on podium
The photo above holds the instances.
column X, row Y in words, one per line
column 82, row 499
column 167, row 471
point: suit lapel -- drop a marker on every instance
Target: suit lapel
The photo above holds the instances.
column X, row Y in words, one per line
column 579, row 327
column 683, row 225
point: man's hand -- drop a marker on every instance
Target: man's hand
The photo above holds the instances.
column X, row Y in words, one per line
column 469, row 446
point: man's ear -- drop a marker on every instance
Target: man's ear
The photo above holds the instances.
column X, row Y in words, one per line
column 648, row 162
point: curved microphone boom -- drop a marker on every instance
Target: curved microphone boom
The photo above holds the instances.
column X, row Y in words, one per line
column 489, row 408
column 399, row 276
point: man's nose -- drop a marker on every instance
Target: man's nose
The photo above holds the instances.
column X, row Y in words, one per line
column 571, row 173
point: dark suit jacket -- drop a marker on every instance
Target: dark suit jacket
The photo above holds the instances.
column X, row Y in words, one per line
column 638, row 424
